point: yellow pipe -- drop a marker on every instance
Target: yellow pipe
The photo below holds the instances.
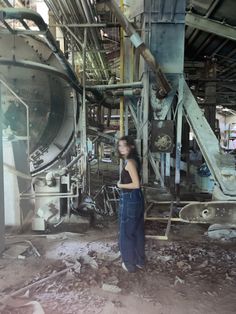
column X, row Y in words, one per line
column 131, row 63
column 122, row 73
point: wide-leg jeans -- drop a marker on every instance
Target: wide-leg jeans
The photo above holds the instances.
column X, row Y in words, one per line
column 131, row 238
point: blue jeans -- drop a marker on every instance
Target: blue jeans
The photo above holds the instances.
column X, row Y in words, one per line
column 131, row 239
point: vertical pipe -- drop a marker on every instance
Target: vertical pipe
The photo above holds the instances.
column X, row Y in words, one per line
column 130, row 74
column 122, row 73
column 2, row 210
column 84, row 124
column 167, row 161
column 179, row 137
column 145, row 124
column 145, row 113
column 162, row 155
column 126, row 120
column 72, row 53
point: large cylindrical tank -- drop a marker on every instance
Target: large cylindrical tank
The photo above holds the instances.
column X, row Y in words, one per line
column 30, row 68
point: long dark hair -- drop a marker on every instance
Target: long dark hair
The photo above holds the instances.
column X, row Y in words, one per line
column 133, row 154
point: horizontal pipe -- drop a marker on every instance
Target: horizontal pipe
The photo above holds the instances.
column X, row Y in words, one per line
column 115, row 86
column 70, row 194
column 127, row 92
column 107, row 25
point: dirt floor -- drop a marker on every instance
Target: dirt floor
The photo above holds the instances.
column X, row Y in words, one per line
column 188, row 274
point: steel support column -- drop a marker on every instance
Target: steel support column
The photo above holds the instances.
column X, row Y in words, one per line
column 145, row 124
column 122, row 74
column 2, row 209
column 84, row 117
column 179, row 136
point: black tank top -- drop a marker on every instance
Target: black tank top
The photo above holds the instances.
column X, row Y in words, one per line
column 125, row 176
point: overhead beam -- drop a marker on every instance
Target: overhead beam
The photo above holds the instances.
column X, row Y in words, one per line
column 210, row 26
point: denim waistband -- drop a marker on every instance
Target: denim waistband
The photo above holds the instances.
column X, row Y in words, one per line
column 135, row 195
column 125, row 191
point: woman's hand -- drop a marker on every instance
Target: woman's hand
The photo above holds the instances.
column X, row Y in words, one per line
column 118, row 184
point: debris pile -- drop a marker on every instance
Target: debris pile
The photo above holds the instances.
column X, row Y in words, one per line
column 71, row 282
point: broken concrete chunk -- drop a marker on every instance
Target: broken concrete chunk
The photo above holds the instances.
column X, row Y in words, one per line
column 111, row 288
column 77, row 267
column 164, row 258
column 178, row 280
column 90, row 261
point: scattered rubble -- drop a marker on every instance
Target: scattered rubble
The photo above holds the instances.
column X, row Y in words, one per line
column 67, row 283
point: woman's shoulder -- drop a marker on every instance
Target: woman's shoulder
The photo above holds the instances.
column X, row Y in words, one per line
column 132, row 162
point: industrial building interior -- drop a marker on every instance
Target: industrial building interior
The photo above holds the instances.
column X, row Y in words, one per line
column 77, row 75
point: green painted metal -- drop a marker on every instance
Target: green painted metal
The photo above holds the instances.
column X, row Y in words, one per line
column 222, row 166
column 210, row 26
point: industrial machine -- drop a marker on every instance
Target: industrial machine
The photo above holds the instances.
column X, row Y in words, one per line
column 40, row 97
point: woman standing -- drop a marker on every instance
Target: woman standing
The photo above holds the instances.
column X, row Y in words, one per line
column 131, row 239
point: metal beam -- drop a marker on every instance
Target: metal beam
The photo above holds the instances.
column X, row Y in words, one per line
column 222, row 167
column 2, row 210
column 210, row 26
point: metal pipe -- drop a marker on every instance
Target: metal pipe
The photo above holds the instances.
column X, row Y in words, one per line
column 122, row 72
column 58, row 195
column 85, row 5
column 127, row 92
column 115, row 86
column 50, row 176
column 163, row 86
column 77, row 12
column 84, row 147
column 74, row 161
column 88, row 25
